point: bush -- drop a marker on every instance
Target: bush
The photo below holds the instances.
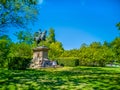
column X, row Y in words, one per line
column 93, row 63
column 68, row 61
column 18, row 63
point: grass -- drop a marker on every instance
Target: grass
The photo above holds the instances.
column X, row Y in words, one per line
column 65, row 78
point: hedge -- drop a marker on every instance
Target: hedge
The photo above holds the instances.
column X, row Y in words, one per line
column 18, row 63
column 68, row 61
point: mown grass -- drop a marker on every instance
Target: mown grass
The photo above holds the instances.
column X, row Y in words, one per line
column 64, row 78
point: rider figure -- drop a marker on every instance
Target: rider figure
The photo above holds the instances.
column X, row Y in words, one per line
column 41, row 36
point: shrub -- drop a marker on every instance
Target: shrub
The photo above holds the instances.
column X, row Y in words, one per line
column 68, row 61
column 18, row 63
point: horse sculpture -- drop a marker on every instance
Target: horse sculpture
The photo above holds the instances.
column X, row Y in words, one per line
column 41, row 36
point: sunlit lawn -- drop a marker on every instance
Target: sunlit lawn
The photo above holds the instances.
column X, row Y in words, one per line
column 64, row 78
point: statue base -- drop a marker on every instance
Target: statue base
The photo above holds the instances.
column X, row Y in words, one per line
column 40, row 58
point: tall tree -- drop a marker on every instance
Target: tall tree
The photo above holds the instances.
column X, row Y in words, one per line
column 56, row 50
column 51, row 36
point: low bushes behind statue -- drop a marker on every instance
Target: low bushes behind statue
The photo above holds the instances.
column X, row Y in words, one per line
column 68, row 61
column 75, row 61
column 18, row 63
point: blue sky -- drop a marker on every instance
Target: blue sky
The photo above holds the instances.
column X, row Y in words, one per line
column 80, row 21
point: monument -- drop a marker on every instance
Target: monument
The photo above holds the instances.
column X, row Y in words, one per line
column 40, row 53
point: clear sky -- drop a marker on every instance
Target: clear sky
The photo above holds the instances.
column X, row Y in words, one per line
column 80, row 21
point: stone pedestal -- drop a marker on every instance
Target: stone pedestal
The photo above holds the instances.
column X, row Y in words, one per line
column 40, row 57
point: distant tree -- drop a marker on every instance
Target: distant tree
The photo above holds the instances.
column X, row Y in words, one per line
column 96, row 54
column 66, row 53
column 106, row 55
column 84, row 55
column 106, row 44
column 24, row 36
column 116, row 48
column 118, row 26
column 95, row 45
column 84, row 45
column 17, row 13
column 71, row 53
column 56, row 50
column 51, row 36
column 92, row 53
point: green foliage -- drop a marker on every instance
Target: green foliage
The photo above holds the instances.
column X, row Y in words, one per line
column 95, row 54
column 118, row 25
column 4, row 50
column 49, row 39
column 19, row 56
column 18, row 63
column 20, row 50
column 72, row 52
column 116, row 48
column 51, row 36
column 24, row 36
column 56, row 50
column 17, row 13
column 68, row 61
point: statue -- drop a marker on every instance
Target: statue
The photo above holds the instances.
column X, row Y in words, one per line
column 40, row 54
column 40, row 36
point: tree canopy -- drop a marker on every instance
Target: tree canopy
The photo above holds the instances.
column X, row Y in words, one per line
column 118, row 25
column 17, row 13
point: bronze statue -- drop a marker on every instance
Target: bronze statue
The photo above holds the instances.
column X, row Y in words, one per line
column 40, row 36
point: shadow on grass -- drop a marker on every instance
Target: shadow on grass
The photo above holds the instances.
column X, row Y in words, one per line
column 74, row 79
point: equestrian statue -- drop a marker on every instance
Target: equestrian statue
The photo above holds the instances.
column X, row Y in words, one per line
column 40, row 36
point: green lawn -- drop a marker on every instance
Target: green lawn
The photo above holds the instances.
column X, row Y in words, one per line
column 65, row 78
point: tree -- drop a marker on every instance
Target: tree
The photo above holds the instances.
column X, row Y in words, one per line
column 20, row 55
column 84, row 55
column 17, row 13
column 107, row 44
column 24, row 36
column 115, row 44
column 51, row 36
column 71, row 53
column 5, row 43
column 56, row 50
column 20, row 50
column 95, row 45
column 118, row 25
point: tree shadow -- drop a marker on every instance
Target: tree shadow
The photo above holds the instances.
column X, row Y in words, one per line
column 76, row 78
